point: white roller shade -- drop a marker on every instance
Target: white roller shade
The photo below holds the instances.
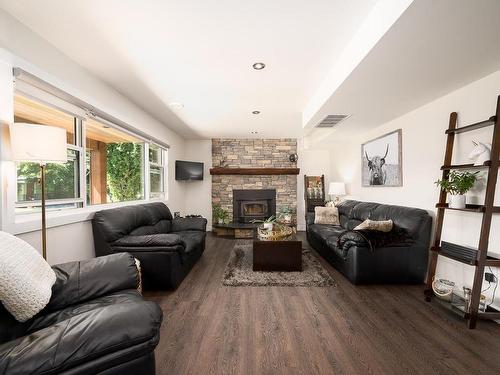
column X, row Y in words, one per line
column 24, row 78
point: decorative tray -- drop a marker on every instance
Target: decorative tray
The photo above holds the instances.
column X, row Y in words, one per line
column 278, row 232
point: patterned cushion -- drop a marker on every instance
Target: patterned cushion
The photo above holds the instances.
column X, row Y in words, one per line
column 326, row 215
column 381, row 226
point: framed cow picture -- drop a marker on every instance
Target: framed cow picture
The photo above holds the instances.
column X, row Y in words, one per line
column 381, row 161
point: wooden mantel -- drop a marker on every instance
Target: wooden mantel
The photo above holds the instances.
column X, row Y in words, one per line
column 254, row 171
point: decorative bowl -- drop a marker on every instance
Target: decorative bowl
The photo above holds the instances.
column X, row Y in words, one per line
column 278, row 232
column 443, row 288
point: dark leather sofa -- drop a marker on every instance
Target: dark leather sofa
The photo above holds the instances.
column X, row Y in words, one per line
column 167, row 248
column 95, row 323
column 404, row 263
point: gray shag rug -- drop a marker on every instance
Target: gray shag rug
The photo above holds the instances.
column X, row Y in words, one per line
column 239, row 271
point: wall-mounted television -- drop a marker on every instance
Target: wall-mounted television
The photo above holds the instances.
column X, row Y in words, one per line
column 188, row 170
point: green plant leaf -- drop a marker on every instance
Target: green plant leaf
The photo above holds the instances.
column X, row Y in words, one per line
column 458, row 182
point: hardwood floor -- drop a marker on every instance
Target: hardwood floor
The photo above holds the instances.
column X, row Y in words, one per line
column 347, row 329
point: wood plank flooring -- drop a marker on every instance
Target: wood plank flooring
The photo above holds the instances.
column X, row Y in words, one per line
column 212, row 329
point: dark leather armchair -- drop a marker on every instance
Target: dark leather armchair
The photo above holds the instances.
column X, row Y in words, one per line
column 404, row 262
column 167, row 248
column 95, row 323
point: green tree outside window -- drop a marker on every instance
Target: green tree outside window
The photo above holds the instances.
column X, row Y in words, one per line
column 124, row 171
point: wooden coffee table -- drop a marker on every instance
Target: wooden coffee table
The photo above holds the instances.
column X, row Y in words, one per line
column 284, row 255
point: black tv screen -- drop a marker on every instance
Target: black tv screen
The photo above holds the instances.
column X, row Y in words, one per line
column 188, row 170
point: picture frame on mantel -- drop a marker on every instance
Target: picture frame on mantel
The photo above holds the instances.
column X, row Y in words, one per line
column 382, row 162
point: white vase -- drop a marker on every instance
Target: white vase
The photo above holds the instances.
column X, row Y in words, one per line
column 457, row 201
column 268, row 226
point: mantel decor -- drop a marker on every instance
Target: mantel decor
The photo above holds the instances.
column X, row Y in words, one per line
column 253, row 171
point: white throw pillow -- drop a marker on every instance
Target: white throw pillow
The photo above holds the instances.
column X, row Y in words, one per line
column 26, row 279
column 326, row 215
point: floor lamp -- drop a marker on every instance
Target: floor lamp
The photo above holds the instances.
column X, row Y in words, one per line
column 40, row 144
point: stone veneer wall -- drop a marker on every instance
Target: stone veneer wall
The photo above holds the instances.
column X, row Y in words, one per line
column 254, row 153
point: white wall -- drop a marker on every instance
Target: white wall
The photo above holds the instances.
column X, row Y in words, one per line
column 6, row 116
column 199, row 193
column 20, row 47
column 423, row 152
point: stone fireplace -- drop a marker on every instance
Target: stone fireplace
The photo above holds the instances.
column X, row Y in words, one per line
column 253, row 204
column 254, row 153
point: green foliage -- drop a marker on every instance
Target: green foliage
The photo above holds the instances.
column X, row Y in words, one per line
column 271, row 219
column 124, row 175
column 458, row 182
column 124, row 171
column 59, row 181
column 284, row 211
column 218, row 213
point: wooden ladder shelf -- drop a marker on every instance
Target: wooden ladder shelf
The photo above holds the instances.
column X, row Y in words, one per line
column 479, row 258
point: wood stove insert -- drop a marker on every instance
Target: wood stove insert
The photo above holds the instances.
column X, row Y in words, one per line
column 253, row 204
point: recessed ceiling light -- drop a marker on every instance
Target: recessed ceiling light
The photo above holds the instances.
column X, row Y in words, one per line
column 259, row 66
column 256, row 112
column 176, row 105
column 105, row 127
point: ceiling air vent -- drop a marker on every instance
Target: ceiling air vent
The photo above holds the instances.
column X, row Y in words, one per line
column 331, row 120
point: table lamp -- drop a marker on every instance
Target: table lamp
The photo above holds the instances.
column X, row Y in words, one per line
column 40, row 144
column 336, row 189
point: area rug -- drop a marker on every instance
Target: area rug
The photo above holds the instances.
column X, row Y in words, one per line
column 239, row 271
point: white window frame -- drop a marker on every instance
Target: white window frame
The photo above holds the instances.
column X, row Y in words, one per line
column 18, row 223
column 144, row 161
column 162, row 165
column 79, row 200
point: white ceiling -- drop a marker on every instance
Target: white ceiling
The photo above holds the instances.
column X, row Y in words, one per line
column 200, row 52
column 435, row 47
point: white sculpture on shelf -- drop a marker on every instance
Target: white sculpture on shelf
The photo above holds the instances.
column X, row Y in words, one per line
column 480, row 153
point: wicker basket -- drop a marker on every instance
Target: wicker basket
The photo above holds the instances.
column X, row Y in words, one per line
column 279, row 232
column 443, row 288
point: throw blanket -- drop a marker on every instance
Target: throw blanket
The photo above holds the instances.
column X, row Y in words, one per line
column 26, row 279
column 373, row 239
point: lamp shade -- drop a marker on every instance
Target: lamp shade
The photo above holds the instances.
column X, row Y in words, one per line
column 336, row 188
column 38, row 143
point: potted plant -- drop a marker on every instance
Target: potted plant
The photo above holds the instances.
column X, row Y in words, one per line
column 285, row 214
column 219, row 214
column 268, row 223
column 457, row 184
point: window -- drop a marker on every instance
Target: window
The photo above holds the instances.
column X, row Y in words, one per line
column 156, row 171
column 62, row 180
column 115, row 164
column 106, row 164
